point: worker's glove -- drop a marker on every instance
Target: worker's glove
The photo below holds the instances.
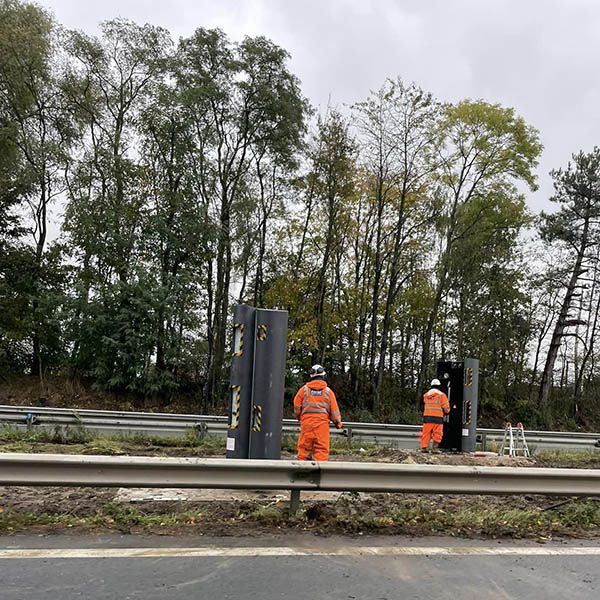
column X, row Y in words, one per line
column 447, row 418
column 338, row 425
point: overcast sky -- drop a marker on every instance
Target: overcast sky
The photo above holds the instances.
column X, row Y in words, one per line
column 541, row 57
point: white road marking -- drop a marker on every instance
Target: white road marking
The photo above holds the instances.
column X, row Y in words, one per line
column 215, row 551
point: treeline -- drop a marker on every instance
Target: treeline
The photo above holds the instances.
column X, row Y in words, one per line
column 187, row 177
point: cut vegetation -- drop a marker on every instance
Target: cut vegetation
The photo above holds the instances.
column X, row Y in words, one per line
column 86, row 510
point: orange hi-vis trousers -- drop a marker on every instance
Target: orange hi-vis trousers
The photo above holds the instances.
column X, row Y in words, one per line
column 314, row 441
column 431, row 430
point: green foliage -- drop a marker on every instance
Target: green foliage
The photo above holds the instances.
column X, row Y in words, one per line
column 16, row 267
column 495, row 142
column 576, row 191
column 35, row 139
column 267, row 514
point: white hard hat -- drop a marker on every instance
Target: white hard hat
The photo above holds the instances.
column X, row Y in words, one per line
column 317, row 371
column 435, row 382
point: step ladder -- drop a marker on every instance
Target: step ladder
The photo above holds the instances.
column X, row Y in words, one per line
column 514, row 441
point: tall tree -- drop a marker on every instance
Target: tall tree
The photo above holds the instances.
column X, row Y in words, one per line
column 35, row 131
column 239, row 99
column 334, row 183
column 176, row 235
column 396, row 134
column 484, row 150
column 575, row 225
column 108, row 85
column 485, row 304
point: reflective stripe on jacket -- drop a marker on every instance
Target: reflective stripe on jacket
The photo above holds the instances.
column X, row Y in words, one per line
column 436, row 406
column 316, row 403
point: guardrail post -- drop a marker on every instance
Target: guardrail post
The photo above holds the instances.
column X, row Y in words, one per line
column 201, row 430
column 484, row 442
column 294, row 501
column 30, row 420
column 349, row 436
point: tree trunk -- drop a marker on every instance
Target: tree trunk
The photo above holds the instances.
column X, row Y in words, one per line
column 424, row 369
column 393, row 289
column 562, row 322
column 217, row 340
column 37, row 367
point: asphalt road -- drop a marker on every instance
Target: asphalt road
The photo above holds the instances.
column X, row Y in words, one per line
column 52, row 568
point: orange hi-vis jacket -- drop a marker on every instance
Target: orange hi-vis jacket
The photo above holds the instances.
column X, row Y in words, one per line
column 315, row 403
column 436, row 406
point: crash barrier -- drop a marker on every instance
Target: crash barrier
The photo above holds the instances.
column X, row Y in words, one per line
column 176, row 425
column 295, row 476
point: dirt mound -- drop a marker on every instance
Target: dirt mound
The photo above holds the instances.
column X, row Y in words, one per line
column 78, row 502
column 407, row 457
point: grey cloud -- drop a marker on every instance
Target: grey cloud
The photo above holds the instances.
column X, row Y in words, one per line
column 540, row 57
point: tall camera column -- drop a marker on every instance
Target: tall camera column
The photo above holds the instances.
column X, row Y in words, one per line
column 240, row 382
column 460, row 382
column 257, row 383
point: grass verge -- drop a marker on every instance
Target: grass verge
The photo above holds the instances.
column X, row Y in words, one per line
column 80, row 441
column 480, row 516
column 571, row 458
column 113, row 515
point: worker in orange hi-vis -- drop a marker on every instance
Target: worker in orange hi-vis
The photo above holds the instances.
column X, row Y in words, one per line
column 436, row 406
column 314, row 406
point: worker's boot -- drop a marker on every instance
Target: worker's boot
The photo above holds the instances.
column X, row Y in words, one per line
column 436, row 448
column 425, row 450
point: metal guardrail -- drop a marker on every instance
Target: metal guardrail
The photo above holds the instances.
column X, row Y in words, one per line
column 175, row 425
column 119, row 471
